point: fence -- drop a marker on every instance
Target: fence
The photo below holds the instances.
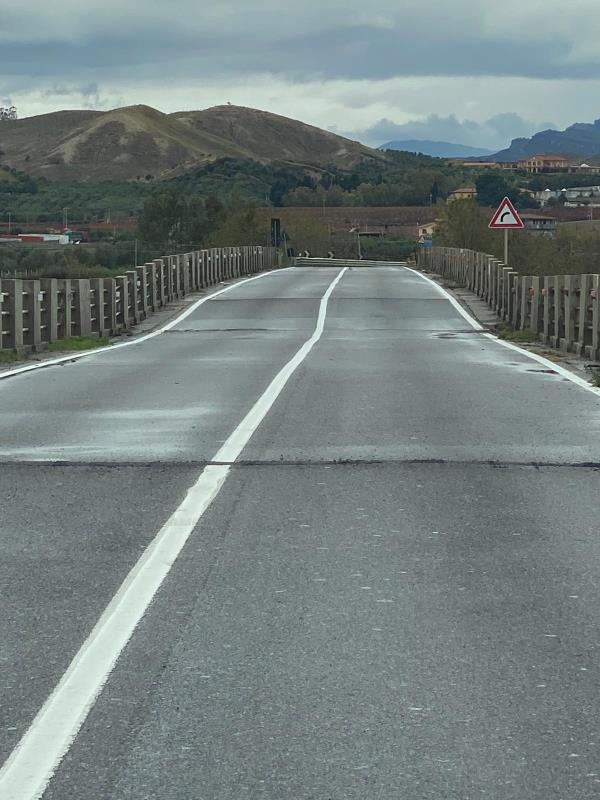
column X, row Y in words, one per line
column 34, row 313
column 563, row 310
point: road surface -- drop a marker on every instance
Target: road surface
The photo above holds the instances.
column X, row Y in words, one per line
column 384, row 584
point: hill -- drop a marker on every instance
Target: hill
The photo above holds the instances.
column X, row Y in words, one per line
column 437, row 149
column 139, row 142
column 580, row 139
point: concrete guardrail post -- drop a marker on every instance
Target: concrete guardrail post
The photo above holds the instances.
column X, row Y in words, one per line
column 571, row 303
column 142, row 283
column 32, row 314
column 559, row 298
column 524, row 295
column 4, row 319
column 133, row 297
column 13, row 300
column 504, row 310
column 81, row 321
column 513, row 309
column 122, row 302
column 584, row 322
column 63, row 305
column 536, row 321
column 49, row 287
column 160, row 297
column 110, row 307
column 548, row 308
column 594, row 353
column 96, row 305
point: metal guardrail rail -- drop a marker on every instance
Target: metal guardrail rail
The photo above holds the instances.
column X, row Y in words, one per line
column 563, row 310
column 34, row 313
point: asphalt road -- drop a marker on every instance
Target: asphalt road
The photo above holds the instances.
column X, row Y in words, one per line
column 394, row 594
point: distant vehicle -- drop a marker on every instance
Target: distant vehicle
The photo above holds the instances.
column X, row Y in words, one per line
column 75, row 237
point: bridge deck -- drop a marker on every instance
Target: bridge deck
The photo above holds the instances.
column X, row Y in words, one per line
column 394, row 593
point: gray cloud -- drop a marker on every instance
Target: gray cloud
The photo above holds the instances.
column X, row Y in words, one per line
column 340, row 42
column 327, row 61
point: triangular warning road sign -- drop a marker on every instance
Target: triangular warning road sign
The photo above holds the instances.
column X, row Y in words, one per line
column 506, row 217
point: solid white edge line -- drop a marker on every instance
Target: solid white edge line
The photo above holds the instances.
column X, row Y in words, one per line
column 138, row 340
column 31, row 765
column 473, row 322
column 566, row 373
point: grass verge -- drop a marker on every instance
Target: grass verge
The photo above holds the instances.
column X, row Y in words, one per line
column 511, row 335
column 10, row 357
column 594, row 375
column 78, row 343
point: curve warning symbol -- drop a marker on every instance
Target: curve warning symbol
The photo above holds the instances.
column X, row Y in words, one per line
column 506, row 217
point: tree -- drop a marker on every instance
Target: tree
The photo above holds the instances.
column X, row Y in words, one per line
column 464, row 225
column 492, row 188
column 308, row 233
column 239, row 228
column 174, row 219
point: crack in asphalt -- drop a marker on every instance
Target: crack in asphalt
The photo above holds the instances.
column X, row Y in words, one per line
column 341, row 462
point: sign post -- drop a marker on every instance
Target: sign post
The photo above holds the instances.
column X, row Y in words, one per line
column 505, row 219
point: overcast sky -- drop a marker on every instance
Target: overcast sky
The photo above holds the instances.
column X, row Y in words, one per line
column 471, row 71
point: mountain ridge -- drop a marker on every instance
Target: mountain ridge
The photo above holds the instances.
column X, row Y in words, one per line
column 581, row 139
column 436, row 148
column 141, row 143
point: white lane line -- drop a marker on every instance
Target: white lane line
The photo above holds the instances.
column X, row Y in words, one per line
column 31, row 765
column 566, row 373
column 449, row 297
column 112, row 347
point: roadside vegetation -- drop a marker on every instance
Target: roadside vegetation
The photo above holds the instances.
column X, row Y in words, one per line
column 78, row 343
column 402, row 179
column 574, row 249
column 217, row 205
column 518, row 336
column 10, row 357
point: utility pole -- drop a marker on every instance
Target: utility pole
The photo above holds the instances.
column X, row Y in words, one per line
column 135, row 260
column 358, row 242
column 65, row 217
column 9, row 216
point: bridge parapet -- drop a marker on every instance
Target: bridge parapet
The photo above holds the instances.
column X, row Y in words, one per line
column 562, row 310
column 34, row 313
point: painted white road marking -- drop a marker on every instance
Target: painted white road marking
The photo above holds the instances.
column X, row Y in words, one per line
column 30, row 767
column 566, row 373
column 473, row 322
column 112, row 347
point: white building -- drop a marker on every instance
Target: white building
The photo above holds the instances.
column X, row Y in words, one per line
column 575, row 196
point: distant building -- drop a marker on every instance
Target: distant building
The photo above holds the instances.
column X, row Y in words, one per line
column 539, row 223
column 548, row 164
column 573, row 197
column 37, row 238
column 544, row 163
column 584, row 169
column 458, row 162
column 427, row 230
column 464, row 193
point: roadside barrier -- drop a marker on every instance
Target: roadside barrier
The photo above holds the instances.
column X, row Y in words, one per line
column 34, row 313
column 563, row 310
column 302, row 261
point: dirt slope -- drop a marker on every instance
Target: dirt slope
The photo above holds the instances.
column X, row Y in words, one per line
column 138, row 141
